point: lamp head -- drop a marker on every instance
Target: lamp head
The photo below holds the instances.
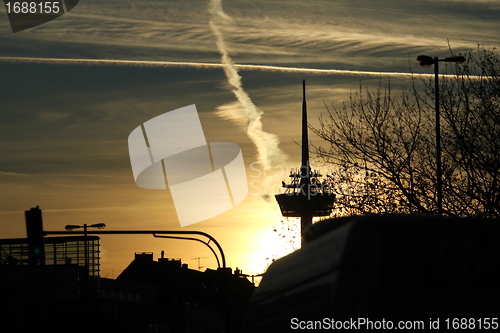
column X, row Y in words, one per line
column 425, row 61
column 71, row 227
column 457, row 60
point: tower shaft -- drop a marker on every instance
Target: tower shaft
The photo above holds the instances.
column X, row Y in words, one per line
column 305, row 171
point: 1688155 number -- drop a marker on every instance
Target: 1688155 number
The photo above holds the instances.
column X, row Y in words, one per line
column 25, row 7
column 472, row 323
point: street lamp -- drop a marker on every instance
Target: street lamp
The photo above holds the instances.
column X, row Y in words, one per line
column 155, row 233
column 426, row 61
column 71, row 227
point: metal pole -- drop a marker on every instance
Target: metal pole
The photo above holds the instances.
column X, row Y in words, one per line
column 148, row 232
column 439, row 172
column 86, row 256
column 85, row 246
column 194, row 239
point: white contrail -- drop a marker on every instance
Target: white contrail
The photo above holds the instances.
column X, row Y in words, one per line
column 267, row 143
column 203, row 65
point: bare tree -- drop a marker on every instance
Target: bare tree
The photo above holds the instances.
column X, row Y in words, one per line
column 384, row 147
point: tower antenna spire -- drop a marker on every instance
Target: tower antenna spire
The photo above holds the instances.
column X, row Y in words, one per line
column 306, row 196
column 305, row 168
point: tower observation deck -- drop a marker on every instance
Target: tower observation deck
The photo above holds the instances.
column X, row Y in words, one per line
column 306, row 196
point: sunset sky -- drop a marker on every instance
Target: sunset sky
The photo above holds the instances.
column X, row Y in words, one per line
column 64, row 125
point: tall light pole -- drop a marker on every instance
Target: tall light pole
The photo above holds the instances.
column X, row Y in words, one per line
column 155, row 233
column 71, row 227
column 426, row 61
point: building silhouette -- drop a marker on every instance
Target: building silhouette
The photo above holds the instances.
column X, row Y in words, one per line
column 50, row 283
column 189, row 300
column 58, row 251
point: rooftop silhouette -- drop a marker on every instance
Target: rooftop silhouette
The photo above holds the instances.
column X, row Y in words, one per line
column 54, row 288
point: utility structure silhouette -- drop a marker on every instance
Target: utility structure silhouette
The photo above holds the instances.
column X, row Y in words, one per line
column 306, row 196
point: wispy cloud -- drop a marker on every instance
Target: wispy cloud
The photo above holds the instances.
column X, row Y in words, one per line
column 18, row 174
column 235, row 112
column 267, row 143
column 349, row 34
column 4, row 173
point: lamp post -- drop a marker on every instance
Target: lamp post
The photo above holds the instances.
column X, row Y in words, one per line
column 155, row 233
column 71, row 227
column 426, row 61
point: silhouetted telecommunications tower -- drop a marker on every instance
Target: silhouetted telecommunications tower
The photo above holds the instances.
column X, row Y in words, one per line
column 306, row 196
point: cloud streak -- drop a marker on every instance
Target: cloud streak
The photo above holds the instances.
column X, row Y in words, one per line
column 204, row 65
column 350, row 33
column 267, row 143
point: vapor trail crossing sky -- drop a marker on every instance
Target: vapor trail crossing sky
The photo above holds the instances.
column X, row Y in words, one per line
column 205, row 65
column 267, row 143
